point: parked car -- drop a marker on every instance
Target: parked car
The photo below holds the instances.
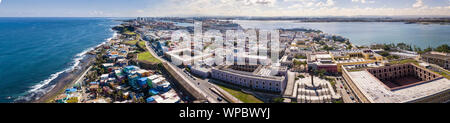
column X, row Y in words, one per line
column 351, row 97
column 219, row 99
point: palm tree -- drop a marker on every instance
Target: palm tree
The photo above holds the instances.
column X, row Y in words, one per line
column 134, row 99
column 115, row 96
column 120, row 94
column 141, row 100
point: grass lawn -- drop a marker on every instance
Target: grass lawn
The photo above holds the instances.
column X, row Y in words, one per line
column 129, row 33
column 356, row 69
column 404, row 61
column 146, row 56
column 132, row 42
column 246, row 98
column 444, row 73
column 141, row 44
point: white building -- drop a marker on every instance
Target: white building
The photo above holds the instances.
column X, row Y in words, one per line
column 184, row 56
column 249, row 79
column 404, row 55
column 201, row 70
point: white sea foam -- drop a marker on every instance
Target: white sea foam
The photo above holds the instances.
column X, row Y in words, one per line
column 40, row 87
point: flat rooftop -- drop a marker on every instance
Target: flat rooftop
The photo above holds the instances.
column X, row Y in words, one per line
column 202, row 68
column 249, row 74
column 377, row 92
column 351, row 60
column 437, row 55
column 404, row 54
column 322, row 56
column 288, row 92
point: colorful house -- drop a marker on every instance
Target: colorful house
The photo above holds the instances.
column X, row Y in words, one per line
column 132, row 80
column 150, row 100
column 153, row 91
column 130, row 69
column 142, row 82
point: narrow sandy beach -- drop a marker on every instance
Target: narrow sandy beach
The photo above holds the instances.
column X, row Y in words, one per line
column 66, row 79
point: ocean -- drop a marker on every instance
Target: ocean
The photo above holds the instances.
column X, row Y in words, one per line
column 34, row 51
column 367, row 33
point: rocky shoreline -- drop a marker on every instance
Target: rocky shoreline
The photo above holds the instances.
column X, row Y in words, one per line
column 65, row 79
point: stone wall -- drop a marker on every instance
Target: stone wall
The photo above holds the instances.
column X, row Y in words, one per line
column 403, row 70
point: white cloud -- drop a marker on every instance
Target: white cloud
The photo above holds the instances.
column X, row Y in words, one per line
column 296, row 6
column 327, row 3
column 96, row 13
column 418, row 4
column 0, row 1
column 302, row 4
column 309, row 4
column 278, row 8
column 258, row 2
column 363, row 1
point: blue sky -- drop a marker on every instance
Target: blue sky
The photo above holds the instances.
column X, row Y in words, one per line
column 134, row 8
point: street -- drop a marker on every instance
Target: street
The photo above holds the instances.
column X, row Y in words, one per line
column 345, row 91
column 202, row 86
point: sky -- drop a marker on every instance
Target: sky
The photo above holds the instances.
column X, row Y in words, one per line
column 158, row 8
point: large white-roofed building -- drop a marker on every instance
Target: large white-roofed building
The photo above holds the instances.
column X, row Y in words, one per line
column 398, row 84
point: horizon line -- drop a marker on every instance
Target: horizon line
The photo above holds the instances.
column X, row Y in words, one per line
column 368, row 16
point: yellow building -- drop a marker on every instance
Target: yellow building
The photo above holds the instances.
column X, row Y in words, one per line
column 357, row 58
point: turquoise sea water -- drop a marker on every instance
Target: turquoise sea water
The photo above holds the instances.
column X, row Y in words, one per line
column 35, row 50
column 366, row 33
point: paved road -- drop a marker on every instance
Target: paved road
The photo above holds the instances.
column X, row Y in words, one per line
column 80, row 80
column 345, row 96
column 203, row 87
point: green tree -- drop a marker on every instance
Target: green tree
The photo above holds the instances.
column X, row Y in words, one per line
column 316, row 39
column 141, row 100
column 384, row 53
column 387, row 47
column 393, row 57
column 278, row 100
column 443, row 48
column 167, row 43
column 115, row 96
column 298, row 56
column 327, row 48
column 320, row 73
column 338, row 101
column 322, row 42
column 349, row 47
column 429, row 49
column 301, row 76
